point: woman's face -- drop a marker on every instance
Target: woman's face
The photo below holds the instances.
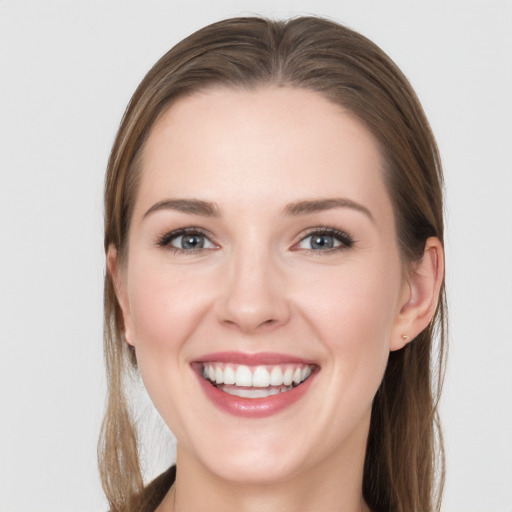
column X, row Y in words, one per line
column 262, row 249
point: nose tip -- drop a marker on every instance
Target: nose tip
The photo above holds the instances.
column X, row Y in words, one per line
column 253, row 299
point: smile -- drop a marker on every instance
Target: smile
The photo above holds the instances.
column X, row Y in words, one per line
column 254, row 385
column 255, row 381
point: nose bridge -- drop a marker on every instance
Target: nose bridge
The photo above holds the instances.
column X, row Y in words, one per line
column 254, row 294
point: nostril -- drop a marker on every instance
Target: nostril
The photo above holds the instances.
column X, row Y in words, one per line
column 245, row 325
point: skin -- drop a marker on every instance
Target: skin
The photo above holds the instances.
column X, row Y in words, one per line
column 258, row 286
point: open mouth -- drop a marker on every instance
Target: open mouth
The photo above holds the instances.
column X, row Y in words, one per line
column 255, row 381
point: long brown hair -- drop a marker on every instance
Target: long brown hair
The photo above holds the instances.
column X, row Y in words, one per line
column 404, row 465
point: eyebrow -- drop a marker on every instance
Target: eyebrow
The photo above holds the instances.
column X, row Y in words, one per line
column 208, row 209
column 320, row 205
column 194, row 206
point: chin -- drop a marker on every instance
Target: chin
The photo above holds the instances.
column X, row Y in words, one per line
column 253, row 469
column 245, row 457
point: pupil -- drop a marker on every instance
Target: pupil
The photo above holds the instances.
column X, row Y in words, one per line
column 322, row 242
column 192, row 242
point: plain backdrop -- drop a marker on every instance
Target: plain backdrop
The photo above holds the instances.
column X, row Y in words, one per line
column 67, row 70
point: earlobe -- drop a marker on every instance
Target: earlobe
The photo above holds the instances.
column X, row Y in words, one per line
column 118, row 281
column 421, row 294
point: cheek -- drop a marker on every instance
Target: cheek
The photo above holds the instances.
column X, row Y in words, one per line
column 163, row 305
column 353, row 316
column 352, row 298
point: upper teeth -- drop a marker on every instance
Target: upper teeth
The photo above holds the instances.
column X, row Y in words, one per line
column 256, row 376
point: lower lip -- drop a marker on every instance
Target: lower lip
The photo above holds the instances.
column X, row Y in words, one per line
column 254, row 407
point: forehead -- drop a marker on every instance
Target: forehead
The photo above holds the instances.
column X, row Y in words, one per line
column 229, row 145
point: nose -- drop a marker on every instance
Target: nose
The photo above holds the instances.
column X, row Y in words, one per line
column 253, row 295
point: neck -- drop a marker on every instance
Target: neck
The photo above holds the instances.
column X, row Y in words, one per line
column 332, row 485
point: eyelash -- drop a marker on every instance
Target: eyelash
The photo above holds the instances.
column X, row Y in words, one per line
column 165, row 240
column 346, row 241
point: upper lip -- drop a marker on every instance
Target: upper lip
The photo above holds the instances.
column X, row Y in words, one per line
column 251, row 359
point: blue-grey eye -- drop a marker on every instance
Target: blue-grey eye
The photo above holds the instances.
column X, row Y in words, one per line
column 325, row 240
column 191, row 241
column 322, row 242
column 186, row 241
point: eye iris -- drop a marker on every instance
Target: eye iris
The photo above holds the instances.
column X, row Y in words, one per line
column 322, row 242
column 192, row 242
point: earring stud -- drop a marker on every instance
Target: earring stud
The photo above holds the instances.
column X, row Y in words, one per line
column 405, row 337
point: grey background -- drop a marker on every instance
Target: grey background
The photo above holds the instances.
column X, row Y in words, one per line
column 67, row 70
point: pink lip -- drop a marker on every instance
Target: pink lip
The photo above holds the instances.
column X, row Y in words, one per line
column 251, row 359
column 252, row 407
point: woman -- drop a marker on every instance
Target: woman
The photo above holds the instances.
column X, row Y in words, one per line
column 274, row 241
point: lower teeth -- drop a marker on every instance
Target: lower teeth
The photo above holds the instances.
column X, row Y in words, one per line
column 253, row 392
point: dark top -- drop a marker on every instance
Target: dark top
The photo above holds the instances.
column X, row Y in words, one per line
column 155, row 492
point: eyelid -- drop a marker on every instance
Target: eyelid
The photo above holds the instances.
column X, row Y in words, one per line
column 165, row 240
column 345, row 239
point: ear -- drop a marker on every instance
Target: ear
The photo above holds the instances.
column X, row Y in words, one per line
column 119, row 281
column 420, row 295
